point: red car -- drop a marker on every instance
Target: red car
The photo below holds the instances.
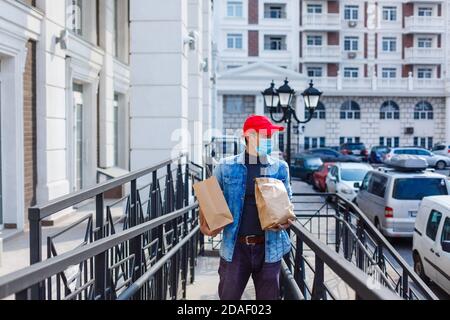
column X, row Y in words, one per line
column 320, row 176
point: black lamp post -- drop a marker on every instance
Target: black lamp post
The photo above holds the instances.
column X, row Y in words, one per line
column 283, row 98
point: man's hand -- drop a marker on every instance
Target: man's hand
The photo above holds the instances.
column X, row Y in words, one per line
column 204, row 228
column 283, row 226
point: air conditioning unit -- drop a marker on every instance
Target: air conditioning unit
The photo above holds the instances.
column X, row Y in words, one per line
column 409, row 130
column 352, row 24
column 351, row 55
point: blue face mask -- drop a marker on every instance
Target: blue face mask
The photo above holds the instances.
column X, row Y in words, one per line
column 265, row 147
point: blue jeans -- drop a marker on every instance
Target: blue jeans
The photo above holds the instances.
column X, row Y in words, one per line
column 249, row 261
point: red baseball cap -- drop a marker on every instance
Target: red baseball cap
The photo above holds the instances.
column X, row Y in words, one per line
column 261, row 123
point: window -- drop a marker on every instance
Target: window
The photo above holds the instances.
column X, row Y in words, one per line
column 366, row 181
column 275, row 11
column 351, row 12
column 418, row 188
column 389, row 44
column 423, row 142
column 423, row 111
column 234, row 104
column 350, row 110
column 351, row 43
column 314, row 142
column 389, row 73
column 389, row 110
column 75, row 17
column 424, row 73
column 425, row 11
column 377, row 185
column 314, row 72
column 319, row 113
column 314, row 8
column 276, row 43
column 424, row 42
column 351, row 72
column 234, row 9
column 234, row 41
column 390, row 142
column 433, row 224
column 446, row 231
column 390, row 13
column 343, row 140
column 314, row 40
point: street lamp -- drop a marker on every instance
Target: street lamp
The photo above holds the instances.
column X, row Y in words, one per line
column 283, row 97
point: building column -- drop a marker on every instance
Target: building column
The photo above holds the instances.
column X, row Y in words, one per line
column 259, row 105
column 195, row 27
column 159, row 83
column 52, row 150
column 219, row 113
column 208, row 71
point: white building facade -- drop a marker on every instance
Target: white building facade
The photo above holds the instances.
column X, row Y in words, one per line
column 77, row 75
column 382, row 65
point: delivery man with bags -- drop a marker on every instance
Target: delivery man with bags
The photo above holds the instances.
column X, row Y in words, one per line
column 248, row 250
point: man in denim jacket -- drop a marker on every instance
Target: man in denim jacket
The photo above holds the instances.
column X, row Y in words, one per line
column 246, row 249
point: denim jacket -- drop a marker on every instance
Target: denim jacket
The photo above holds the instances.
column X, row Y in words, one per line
column 232, row 176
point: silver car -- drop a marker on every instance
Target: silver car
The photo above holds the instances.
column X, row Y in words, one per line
column 434, row 160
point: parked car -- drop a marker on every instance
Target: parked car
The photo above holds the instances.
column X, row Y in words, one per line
column 320, row 177
column 304, row 166
column 330, row 155
column 346, row 178
column 442, row 150
column 377, row 154
column 357, row 149
column 390, row 197
column 436, row 161
column 431, row 241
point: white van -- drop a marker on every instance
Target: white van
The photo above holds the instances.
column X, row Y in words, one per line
column 431, row 244
column 390, row 198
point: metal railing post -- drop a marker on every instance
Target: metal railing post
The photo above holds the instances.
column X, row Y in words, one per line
column 346, row 234
column 299, row 267
column 34, row 216
column 319, row 290
column 100, row 259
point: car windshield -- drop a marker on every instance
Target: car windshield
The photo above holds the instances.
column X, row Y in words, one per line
column 381, row 150
column 353, row 174
column 314, row 162
column 356, row 146
column 418, row 188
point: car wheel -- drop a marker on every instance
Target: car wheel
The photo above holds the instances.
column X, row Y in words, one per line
column 418, row 267
column 441, row 165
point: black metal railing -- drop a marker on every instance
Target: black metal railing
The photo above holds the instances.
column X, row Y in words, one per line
column 153, row 192
column 341, row 225
column 295, row 285
column 153, row 260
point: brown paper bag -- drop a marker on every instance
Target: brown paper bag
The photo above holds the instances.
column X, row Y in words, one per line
column 272, row 201
column 213, row 204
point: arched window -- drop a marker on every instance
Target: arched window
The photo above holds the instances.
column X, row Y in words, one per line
column 350, row 110
column 389, row 110
column 319, row 113
column 423, row 111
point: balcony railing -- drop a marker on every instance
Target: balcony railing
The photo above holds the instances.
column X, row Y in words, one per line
column 275, row 47
column 324, row 21
column 424, row 24
column 270, row 14
column 421, row 55
column 322, row 53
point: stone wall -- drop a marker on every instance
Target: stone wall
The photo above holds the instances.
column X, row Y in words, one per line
column 369, row 128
